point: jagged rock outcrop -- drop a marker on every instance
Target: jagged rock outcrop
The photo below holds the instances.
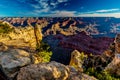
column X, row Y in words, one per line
column 26, row 21
column 69, row 26
column 76, row 60
column 24, row 38
column 11, row 60
column 38, row 35
column 114, row 66
column 21, row 37
column 51, row 71
column 117, row 44
column 65, row 26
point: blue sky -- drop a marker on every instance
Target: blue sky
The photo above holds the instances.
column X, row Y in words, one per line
column 60, row 8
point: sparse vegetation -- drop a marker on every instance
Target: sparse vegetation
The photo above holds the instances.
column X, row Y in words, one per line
column 45, row 56
column 96, row 71
column 83, row 56
column 44, row 52
column 5, row 28
column 100, row 75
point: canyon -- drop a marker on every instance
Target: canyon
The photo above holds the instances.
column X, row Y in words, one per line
column 64, row 35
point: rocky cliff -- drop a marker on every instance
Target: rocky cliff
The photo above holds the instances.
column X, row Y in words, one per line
column 51, row 71
column 21, row 37
column 114, row 66
column 64, row 35
column 17, row 64
column 63, row 45
column 66, row 26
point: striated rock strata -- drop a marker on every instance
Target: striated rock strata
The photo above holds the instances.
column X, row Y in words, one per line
column 85, row 43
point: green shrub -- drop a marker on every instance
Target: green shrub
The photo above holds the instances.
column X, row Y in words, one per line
column 83, row 56
column 100, row 75
column 44, row 51
column 45, row 56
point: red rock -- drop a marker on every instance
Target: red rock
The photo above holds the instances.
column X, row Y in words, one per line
column 85, row 43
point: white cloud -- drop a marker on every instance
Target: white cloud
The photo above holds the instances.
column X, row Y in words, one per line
column 41, row 11
column 116, row 15
column 62, row 1
column 63, row 13
column 47, row 5
column 107, row 10
column 43, row 3
column 102, row 13
column 53, row 4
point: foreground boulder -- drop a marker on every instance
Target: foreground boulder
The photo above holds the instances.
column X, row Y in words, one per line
column 12, row 60
column 45, row 71
column 51, row 71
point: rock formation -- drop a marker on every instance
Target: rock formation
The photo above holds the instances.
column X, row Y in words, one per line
column 114, row 66
column 38, row 35
column 65, row 26
column 11, row 60
column 21, row 37
column 68, row 34
column 50, row 71
column 17, row 64
column 85, row 43
column 117, row 44
column 76, row 60
column 64, row 45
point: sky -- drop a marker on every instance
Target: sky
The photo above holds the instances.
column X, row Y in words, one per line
column 60, row 8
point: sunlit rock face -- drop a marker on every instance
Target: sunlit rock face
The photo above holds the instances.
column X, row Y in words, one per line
column 51, row 71
column 45, row 71
column 11, row 60
column 114, row 66
column 117, row 44
column 76, row 60
column 21, row 37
